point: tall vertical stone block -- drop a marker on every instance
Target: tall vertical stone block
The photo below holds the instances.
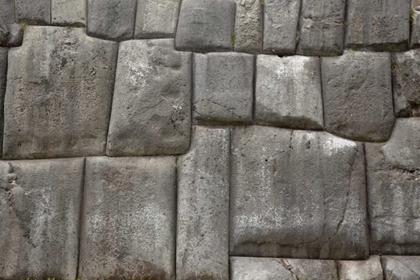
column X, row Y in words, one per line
column 68, row 12
column 248, row 35
column 415, row 27
column 370, row 269
column 3, row 79
column 33, row 11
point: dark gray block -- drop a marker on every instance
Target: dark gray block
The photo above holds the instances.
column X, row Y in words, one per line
column 10, row 32
column 248, row 26
column 401, row 267
column 370, row 269
column 33, row 11
column 68, row 12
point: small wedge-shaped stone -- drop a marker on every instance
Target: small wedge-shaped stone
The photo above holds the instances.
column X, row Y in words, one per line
column 68, row 12
column 58, row 95
column 151, row 111
column 248, row 35
column 39, row 218
column 369, row 269
column 33, row 11
column 401, row 267
column 128, row 229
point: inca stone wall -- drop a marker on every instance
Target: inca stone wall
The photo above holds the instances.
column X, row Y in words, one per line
column 210, row 139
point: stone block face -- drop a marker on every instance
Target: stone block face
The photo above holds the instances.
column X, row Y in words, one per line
column 297, row 194
column 3, row 78
column 369, row 269
column 203, row 206
column 357, row 95
column 288, row 92
column 223, row 88
column 205, row 25
column 59, row 94
column 128, row 228
column 393, row 176
column 68, row 12
column 10, row 32
column 401, row 267
column 151, row 110
column 321, row 28
column 39, row 217
column 378, row 25
column 415, row 29
column 248, row 26
column 33, row 11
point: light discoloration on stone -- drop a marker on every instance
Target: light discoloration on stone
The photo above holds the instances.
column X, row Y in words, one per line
column 369, row 269
column 248, row 26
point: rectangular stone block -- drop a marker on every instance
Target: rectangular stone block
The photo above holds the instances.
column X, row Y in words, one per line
column 203, row 206
column 68, row 12
column 33, row 11
column 39, row 218
column 128, row 228
column 401, row 267
column 248, row 35
column 370, row 269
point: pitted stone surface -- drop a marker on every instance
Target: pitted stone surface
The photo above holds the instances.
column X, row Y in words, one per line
column 401, row 267
column 39, row 218
column 357, row 95
column 248, row 26
column 369, row 269
column 288, row 92
column 151, row 110
column 59, row 93
column 205, row 25
column 128, row 231
column 223, row 88
column 33, row 11
column 10, row 32
column 3, row 78
column 297, row 194
column 203, row 206
column 68, row 12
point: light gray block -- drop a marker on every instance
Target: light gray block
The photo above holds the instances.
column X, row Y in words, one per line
column 203, row 206
column 401, row 267
column 369, row 269
column 128, row 229
column 223, row 88
column 151, row 111
column 39, row 218
column 68, row 12
column 297, row 194
column 248, row 26
column 58, row 96
column 357, row 95
column 33, row 11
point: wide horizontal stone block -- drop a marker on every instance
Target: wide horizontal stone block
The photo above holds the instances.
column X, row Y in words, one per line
column 33, row 11
column 248, row 35
column 369, row 269
column 297, row 194
column 68, row 12
column 401, row 267
column 128, row 229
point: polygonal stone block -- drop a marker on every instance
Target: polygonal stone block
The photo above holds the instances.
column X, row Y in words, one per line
column 248, row 35
column 128, row 229
column 33, row 11
column 10, row 33
column 369, row 269
column 401, row 267
column 68, row 12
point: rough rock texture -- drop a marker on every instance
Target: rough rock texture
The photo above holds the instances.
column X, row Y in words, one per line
column 151, row 111
column 393, row 177
column 321, row 27
column 297, row 194
column 369, row 269
column 357, row 95
column 378, row 25
column 3, row 78
column 59, row 93
column 128, row 229
column 415, row 29
column 39, row 218
column 206, row 25
column 10, row 33
column 111, row 19
column 280, row 25
column 68, row 12
column 203, row 206
column 288, row 92
column 33, row 11
column 401, row 267
column 223, row 88
column 248, row 26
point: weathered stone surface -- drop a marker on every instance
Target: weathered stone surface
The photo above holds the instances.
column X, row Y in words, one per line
column 369, row 269
column 357, row 95
column 415, row 28
column 128, row 231
column 39, row 218
column 151, row 111
column 68, row 12
column 205, row 25
column 3, row 79
column 297, row 194
column 288, row 92
column 378, row 25
column 280, row 26
column 111, row 19
column 321, row 27
column 401, row 267
column 248, row 26
column 10, row 32
column 223, row 87
column 33, row 11
column 393, row 176
column 203, row 206
column 59, row 94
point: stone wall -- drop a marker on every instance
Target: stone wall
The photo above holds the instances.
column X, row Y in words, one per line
column 210, row 139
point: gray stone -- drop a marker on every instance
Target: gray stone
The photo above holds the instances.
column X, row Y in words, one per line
column 111, row 19
column 39, row 218
column 33, row 11
column 10, row 32
column 280, row 26
column 378, row 25
column 156, row 18
column 203, row 206
column 59, row 93
column 288, row 92
column 3, row 79
column 68, row 12
column 393, row 177
column 297, row 194
column 401, row 267
column 206, row 25
column 321, row 27
column 223, row 88
column 369, row 269
column 248, row 26
column 151, row 111
column 415, row 28
column 129, row 214
column 357, row 95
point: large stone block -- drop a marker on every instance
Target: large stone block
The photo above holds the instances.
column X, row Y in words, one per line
column 393, row 177
column 206, row 25
column 223, row 88
column 151, row 111
column 39, row 218
column 297, row 194
column 248, row 26
column 10, row 32
column 357, row 95
column 128, row 229
column 288, row 92
column 401, row 267
column 68, row 12
column 33, row 11
column 58, row 95
column 369, row 269
column 203, row 207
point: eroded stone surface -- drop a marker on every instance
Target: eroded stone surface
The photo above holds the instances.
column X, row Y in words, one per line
column 248, row 26
column 68, row 12
column 33, row 11
column 369, row 269
column 401, row 267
